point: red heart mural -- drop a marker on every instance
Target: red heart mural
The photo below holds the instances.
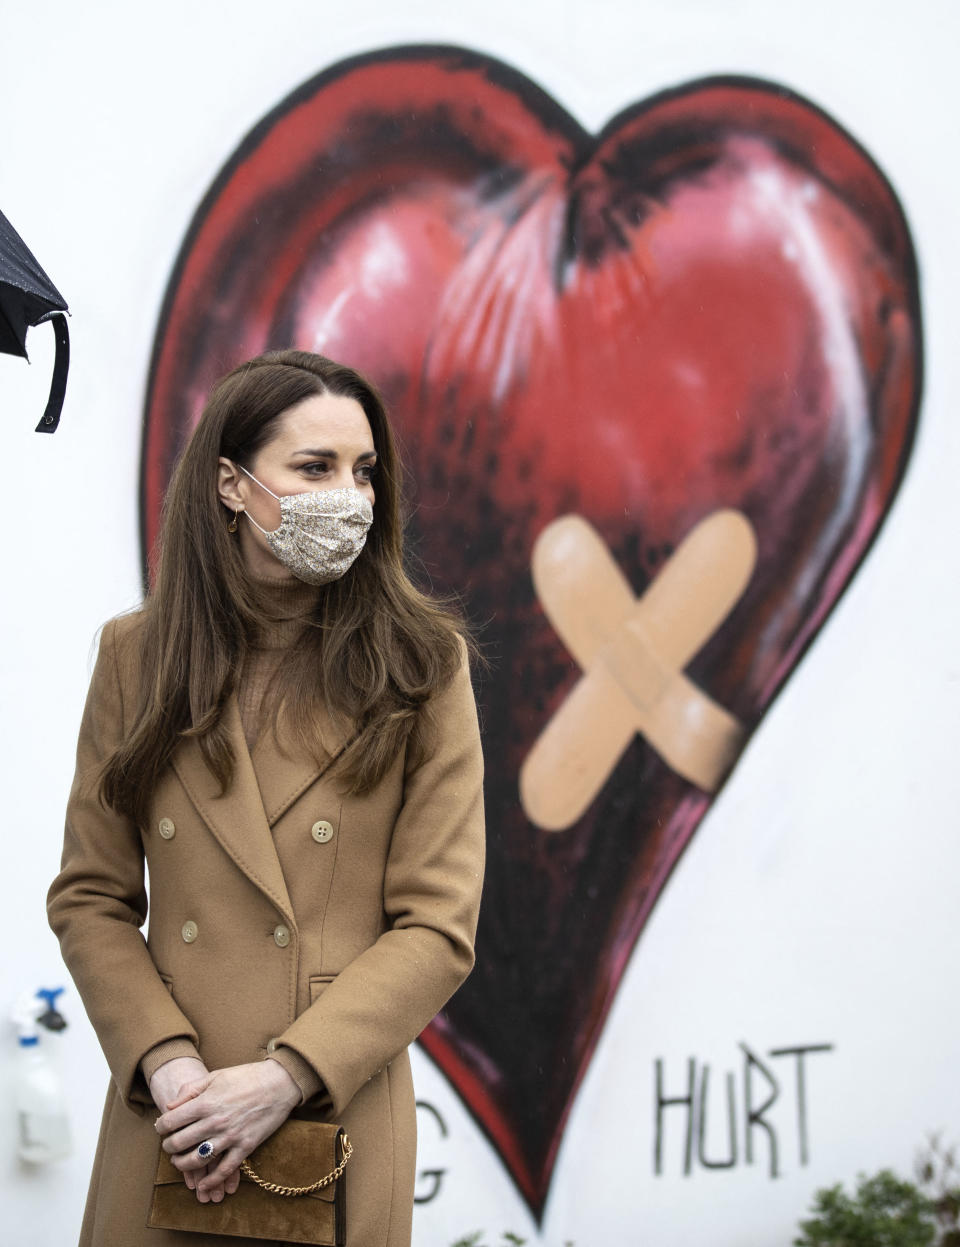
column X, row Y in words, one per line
column 712, row 304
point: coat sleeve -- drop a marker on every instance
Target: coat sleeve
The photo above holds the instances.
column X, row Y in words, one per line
column 98, row 902
column 382, row 1000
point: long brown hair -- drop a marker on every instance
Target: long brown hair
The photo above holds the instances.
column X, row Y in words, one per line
column 377, row 648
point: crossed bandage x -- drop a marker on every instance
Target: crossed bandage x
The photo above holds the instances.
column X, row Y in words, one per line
column 633, row 652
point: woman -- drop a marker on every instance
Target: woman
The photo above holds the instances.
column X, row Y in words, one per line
column 286, row 733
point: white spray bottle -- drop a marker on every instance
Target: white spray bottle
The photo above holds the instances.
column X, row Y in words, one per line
column 41, row 1105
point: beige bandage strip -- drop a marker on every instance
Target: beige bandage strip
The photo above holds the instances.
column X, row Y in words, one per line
column 633, row 652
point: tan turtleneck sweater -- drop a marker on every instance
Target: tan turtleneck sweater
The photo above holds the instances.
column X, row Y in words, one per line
column 288, row 603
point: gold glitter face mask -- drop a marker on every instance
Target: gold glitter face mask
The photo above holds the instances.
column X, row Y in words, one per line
column 321, row 531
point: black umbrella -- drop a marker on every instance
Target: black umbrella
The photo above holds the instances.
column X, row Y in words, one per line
column 28, row 297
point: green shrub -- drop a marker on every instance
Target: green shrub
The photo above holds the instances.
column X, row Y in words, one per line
column 938, row 1174
column 885, row 1212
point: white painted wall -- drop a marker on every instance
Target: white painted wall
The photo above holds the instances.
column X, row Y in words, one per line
column 816, row 903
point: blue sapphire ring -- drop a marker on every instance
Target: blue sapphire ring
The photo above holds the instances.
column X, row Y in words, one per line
column 205, row 1150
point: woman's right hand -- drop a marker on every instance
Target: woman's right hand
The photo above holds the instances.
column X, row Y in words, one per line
column 175, row 1082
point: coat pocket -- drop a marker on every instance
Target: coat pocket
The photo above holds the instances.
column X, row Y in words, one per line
column 319, row 984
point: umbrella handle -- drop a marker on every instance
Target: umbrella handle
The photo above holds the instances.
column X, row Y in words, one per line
column 58, row 385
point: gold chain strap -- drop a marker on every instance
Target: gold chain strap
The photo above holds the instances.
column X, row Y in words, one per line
column 276, row 1189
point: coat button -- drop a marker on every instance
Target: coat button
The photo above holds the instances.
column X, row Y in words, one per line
column 189, row 931
column 282, row 935
column 322, row 831
column 272, row 1045
column 167, row 828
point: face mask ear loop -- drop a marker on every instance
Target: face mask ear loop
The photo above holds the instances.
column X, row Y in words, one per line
column 269, row 491
column 256, row 525
column 260, row 483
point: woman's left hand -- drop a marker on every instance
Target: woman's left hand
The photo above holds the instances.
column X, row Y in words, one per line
column 235, row 1110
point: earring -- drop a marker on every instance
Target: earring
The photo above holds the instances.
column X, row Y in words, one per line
column 232, row 526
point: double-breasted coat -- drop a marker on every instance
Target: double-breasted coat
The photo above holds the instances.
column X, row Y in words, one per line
column 282, row 911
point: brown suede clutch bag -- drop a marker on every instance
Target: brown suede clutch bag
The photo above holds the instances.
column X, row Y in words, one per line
column 292, row 1189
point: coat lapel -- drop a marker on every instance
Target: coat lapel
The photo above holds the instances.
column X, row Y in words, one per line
column 284, row 772
column 237, row 819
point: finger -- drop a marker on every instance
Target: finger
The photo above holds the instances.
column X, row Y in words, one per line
column 187, row 1109
column 192, row 1160
column 188, row 1092
column 191, row 1152
column 192, row 1177
column 207, row 1121
column 225, row 1166
column 231, row 1184
column 186, row 1141
column 211, row 1195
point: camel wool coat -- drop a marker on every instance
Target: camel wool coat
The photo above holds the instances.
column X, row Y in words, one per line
column 283, row 912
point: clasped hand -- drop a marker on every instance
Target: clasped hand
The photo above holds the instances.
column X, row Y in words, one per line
column 235, row 1109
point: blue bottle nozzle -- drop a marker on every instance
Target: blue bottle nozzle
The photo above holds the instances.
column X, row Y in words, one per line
column 51, row 1018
